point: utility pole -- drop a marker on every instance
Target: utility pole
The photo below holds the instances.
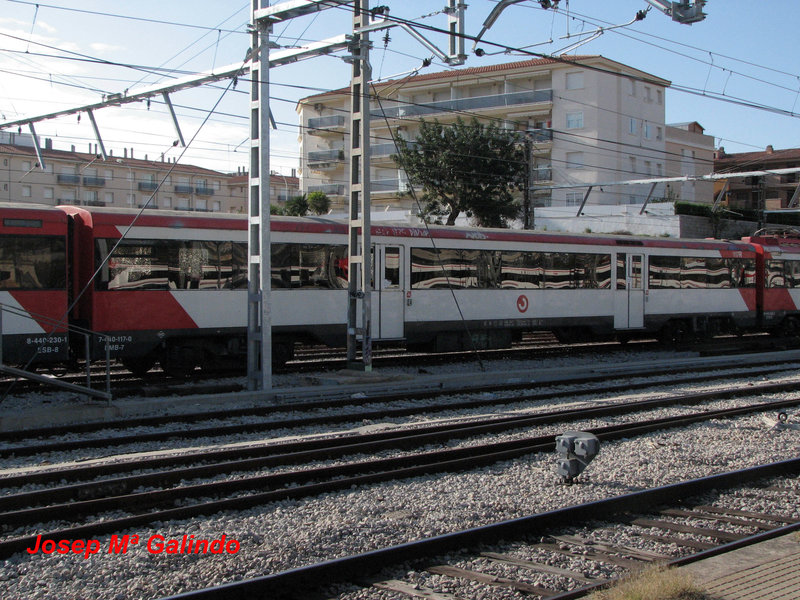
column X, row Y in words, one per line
column 359, row 245
column 259, row 267
column 527, row 221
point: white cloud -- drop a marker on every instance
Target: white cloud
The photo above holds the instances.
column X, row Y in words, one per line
column 101, row 48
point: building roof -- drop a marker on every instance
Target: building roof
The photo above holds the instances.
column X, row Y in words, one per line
column 472, row 72
column 244, row 179
column 86, row 157
column 722, row 159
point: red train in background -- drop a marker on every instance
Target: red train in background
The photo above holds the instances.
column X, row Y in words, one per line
column 169, row 287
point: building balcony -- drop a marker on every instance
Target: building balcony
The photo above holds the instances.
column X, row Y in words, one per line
column 541, row 175
column 388, row 186
column 147, row 186
column 183, row 189
column 539, row 136
column 94, row 203
column 466, row 104
column 321, row 126
column 68, row 179
column 94, row 181
column 325, row 160
column 204, row 191
column 330, row 189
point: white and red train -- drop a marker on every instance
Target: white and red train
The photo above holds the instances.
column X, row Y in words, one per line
column 174, row 290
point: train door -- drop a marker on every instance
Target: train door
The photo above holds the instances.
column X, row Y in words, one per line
column 635, row 290
column 388, row 313
column 630, row 293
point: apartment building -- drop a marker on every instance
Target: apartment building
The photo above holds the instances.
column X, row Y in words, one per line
column 86, row 179
column 282, row 188
column 769, row 192
column 590, row 121
column 689, row 151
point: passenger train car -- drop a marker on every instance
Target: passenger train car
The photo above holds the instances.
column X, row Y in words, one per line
column 33, row 285
column 170, row 286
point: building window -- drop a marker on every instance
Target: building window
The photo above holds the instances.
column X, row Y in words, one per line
column 648, row 94
column 575, row 80
column 90, row 197
column 26, row 165
column 659, row 133
column 131, row 199
column 108, row 174
column 108, row 198
column 48, row 193
column 659, row 169
column 216, row 206
column 201, row 204
column 648, row 167
column 647, row 131
column 632, row 126
column 575, row 160
column 632, row 161
column 26, row 191
column 631, row 87
column 574, row 198
column 166, row 202
column 659, row 97
column 575, row 120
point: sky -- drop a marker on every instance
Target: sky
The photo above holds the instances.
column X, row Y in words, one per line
column 737, row 72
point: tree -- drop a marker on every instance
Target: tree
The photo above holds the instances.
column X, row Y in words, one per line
column 465, row 168
column 319, row 203
column 296, row 206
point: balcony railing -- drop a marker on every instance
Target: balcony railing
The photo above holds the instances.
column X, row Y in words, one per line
column 183, row 189
column 331, row 189
column 147, row 186
column 385, row 186
column 386, row 150
column 542, row 175
column 325, row 155
column 204, row 191
column 94, row 181
column 321, row 125
column 466, row 104
column 323, row 160
column 540, row 135
column 68, row 179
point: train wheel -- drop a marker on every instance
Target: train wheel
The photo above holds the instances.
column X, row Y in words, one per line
column 179, row 362
column 140, row 365
column 675, row 333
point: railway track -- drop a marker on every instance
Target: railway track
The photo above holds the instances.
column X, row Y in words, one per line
column 379, row 407
column 66, row 503
column 563, row 553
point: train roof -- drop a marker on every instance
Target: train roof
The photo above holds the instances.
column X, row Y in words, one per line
column 180, row 219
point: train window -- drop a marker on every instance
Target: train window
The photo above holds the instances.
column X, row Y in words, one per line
column 521, row 270
column 775, row 274
column 22, row 223
column 718, row 274
column 309, row 266
column 32, row 263
column 171, row 265
column 391, row 268
column 622, row 271
column 558, row 267
column 693, row 272
column 792, row 270
column 665, row 272
column 445, row 268
column 592, row 271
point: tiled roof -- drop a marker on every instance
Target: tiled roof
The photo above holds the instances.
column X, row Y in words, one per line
column 729, row 160
column 85, row 157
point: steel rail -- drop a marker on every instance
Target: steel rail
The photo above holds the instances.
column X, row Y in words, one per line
column 339, row 478
column 316, row 420
column 248, row 457
column 300, row 582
